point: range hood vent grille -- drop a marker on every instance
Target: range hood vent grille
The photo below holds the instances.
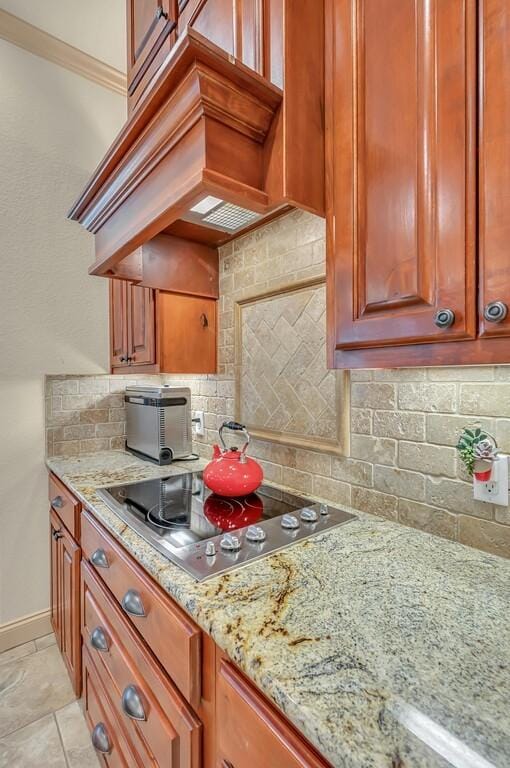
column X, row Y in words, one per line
column 220, row 214
column 230, row 217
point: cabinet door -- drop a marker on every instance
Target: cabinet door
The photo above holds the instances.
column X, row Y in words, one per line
column 141, row 325
column 55, row 549
column 70, row 602
column 149, row 23
column 118, row 323
column 494, row 173
column 187, row 333
column 400, row 140
column 248, row 725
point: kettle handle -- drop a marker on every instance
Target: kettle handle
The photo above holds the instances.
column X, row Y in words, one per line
column 235, row 427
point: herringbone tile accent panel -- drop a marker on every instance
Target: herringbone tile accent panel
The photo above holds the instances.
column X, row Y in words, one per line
column 285, row 385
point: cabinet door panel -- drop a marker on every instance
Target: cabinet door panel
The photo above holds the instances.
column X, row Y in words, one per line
column 187, row 333
column 118, row 323
column 55, row 577
column 149, row 22
column 401, row 193
column 141, row 325
column 70, row 600
column 494, row 158
column 248, row 725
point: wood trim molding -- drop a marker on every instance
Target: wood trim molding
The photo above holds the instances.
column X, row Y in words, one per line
column 23, row 630
column 19, row 32
column 340, row 446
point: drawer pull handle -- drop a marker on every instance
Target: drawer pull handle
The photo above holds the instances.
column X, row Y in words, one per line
column 100, row 739
column 98, row 640
column 99, row 559
column 132, row 704
column 57, row 502
column 56, row 534
column 132, row 603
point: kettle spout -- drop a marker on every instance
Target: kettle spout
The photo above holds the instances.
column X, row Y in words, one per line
column 216, row 451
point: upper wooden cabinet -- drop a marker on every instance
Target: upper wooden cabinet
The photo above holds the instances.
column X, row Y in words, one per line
column 159, row 332
column 494, row 171
column 150, row 33
column 226, row 126
column 402, row 194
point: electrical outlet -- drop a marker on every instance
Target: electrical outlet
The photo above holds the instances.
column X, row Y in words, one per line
column 495, row 490
column 198, row 423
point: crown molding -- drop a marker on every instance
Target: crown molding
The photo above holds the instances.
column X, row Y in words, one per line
column 40, row 43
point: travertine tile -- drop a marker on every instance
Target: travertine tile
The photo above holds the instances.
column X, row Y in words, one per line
column 332, row 490
column 399, row 425
column 31, row 687
column 7, row 657
column 352, row 471
column 428, row 459
column 431, row 519
column 45, row 642
column 373, row 395
column 455, row 496
column 484, row 534
column 375, row 502
column 36, row 745
column 485, row 399
column 444, row 429
column 75, row 737
column 427, row 397
column 377, row 450
column 400, row 482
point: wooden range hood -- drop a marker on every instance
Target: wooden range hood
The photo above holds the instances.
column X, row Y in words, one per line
column 204, row 157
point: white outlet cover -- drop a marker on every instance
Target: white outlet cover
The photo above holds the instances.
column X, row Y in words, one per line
column 495, row 490
column 198, row 426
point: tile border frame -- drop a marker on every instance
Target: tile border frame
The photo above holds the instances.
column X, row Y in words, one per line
column 338, row 447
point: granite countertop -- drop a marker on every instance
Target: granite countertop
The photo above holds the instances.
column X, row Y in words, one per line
column 385, row 646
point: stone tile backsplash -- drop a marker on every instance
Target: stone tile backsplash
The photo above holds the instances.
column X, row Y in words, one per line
column 404, row 423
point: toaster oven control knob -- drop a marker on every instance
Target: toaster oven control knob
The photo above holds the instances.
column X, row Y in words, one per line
column 210, row 549
column 309, row 515
column 290, row 522
column 230, row 543
column 255, row 533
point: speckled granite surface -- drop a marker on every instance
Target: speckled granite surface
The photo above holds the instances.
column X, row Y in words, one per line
column 385, row 646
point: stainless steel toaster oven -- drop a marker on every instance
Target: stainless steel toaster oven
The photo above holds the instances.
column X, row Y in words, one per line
column 158, row 422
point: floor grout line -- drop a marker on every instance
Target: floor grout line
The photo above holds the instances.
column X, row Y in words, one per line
column 60, row 736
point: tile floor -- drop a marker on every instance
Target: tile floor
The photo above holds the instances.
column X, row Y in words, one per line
column 41, row 723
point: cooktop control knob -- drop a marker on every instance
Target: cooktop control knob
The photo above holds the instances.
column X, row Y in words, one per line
column 290, row 521
column 210, row 549
column 309, row 515
column 230, row 543
column 323, row 509
column 255, row 533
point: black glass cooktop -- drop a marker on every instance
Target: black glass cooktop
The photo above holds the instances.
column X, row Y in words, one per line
column 182, row 509
column 207, row 534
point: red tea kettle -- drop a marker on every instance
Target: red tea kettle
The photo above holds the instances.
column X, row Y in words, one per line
column 231, row 472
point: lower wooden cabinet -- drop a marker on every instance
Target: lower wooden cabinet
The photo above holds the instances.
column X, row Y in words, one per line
column 157, row 691
column 160, row 332
column 250, row 732
column 65, row 597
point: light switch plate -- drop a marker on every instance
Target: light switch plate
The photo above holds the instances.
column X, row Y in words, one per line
column 495, row 490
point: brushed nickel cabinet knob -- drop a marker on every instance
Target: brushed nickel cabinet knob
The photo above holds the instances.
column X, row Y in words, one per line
column 495, row 311
column 444, row 318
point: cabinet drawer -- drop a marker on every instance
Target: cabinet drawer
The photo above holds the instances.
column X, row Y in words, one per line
column 65, row 505
column 247, row 724
column 168, row 732
column 99, row 714
column 171, row 635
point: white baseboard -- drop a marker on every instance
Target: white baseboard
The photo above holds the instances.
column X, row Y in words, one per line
column 23, row 630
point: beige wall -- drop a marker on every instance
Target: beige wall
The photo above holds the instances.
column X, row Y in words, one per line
column 404, row 423
column 96, row 27
column 54, row 128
